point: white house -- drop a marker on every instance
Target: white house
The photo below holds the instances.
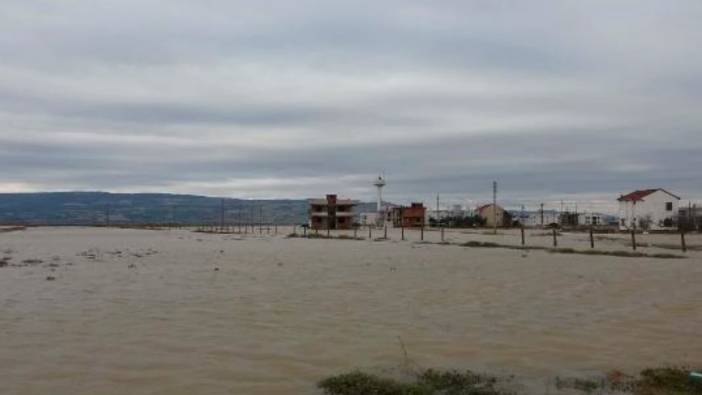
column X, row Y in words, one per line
column 595, row 219
column 368, row 219
column 533, row 219
column 649, row 209
column 378, row 218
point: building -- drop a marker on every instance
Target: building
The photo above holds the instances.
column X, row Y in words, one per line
column 648, row 209
column 331, row 213
column 409, row 217
column 596, row 219
column 379, row 219
column 534, row 219
column 371, row 219
column 490, row 212
column 436, row 215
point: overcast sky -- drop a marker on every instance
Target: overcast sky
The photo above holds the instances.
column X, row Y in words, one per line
column 562, row 99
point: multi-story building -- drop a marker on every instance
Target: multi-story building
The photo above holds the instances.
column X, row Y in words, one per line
column 331, row 213
column 648, row 209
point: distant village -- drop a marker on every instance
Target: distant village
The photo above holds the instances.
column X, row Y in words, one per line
column 655, row 210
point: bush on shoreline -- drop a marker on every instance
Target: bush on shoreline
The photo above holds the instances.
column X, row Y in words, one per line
column 655, row 381
column 428, row 382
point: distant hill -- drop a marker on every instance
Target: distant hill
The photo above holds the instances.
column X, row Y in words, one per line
column 89, row 208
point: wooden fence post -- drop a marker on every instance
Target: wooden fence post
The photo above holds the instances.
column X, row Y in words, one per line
column 682, row 240
column 385, row 235
column 555, row 238
column 422, row 232
column 592, row 238
column 523, row 238
column 633, row 237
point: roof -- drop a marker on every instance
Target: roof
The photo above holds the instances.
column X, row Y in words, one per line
column 339, row 202
column 638, row 196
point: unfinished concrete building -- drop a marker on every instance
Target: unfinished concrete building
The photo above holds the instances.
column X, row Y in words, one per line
column 331, row 213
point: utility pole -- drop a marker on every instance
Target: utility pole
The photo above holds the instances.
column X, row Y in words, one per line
column 560, row 215
column 542, row 215
column 437, row 209
column 494, row 206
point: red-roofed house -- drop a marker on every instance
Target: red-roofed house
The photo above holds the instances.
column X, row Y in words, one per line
column 648, row 209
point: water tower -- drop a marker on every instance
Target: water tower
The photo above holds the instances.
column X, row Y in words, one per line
column 380, row 183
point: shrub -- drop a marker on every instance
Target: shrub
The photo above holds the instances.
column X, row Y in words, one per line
column 484, row 244
column 428, row 382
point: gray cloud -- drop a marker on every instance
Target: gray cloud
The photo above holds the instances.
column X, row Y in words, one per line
column 556, row 100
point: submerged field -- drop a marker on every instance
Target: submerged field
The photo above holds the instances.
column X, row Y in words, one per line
column 115, row 311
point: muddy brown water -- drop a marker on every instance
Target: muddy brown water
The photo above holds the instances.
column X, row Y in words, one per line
column 146, row 312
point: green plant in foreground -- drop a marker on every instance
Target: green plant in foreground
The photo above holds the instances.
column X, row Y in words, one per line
column 657, row 381
column 667, row 381
column 585, row 385
column 428, row 382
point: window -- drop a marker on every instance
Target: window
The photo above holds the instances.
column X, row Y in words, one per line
column 669, row 206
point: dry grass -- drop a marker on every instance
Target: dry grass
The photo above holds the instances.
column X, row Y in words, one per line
column 622, row 254
column 322, row 236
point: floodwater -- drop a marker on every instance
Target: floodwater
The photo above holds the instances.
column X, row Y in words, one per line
column 111, row 311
